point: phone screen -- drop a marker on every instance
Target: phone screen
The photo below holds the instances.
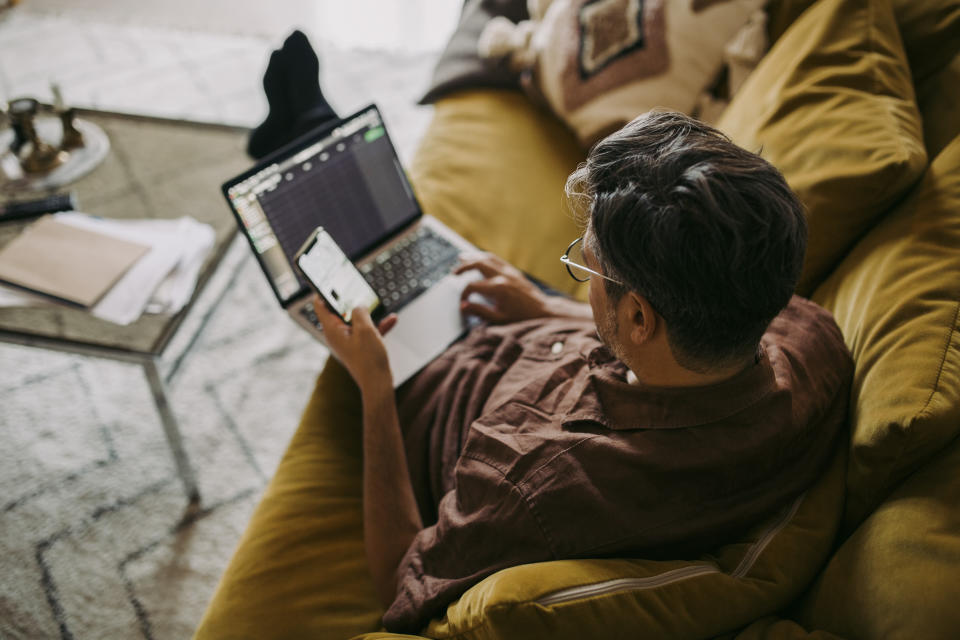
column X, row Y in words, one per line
column 336, row 278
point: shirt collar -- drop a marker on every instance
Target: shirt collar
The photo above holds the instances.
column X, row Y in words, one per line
column 607, row 398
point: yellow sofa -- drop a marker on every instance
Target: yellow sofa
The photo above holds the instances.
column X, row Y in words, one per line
column 857, row 103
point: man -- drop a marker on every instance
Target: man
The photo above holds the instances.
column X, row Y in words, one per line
column 691, row 398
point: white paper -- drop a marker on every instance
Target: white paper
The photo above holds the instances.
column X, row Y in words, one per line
column 161, row 282
column 173, row 294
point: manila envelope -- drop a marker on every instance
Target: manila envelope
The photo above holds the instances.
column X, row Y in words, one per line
column 66, row 262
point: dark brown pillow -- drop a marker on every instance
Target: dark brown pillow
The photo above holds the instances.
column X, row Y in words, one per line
column 459, row 66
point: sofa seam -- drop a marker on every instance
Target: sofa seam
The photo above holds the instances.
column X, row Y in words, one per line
column 924, row 410
column 903, row 156
column 872, row 47
column 943, row 358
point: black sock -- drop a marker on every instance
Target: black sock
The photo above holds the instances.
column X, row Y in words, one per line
column 292, row 84
column 310, row 109
column 276, row 127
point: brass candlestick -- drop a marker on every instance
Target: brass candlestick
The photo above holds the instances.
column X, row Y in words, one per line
column 72, row 138
column 43, row 157
column 40, row 156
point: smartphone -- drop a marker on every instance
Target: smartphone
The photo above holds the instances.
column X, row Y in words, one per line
column 335, row 278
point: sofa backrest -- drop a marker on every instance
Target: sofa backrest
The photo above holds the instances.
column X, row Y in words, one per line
column 894, row 294
column 896, row 298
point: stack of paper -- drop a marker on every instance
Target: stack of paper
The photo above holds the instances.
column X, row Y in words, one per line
column 67, row 262
column 162, row 280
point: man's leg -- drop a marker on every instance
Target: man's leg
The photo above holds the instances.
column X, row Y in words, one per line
column 292, row 85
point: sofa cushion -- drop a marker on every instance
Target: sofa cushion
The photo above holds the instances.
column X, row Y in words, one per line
column 492, row 167
column 930, row 30
column 896, row 298
column 832, row 106
column 931, row 33
column 939, row 100
column 898, row 576
column 656, row 599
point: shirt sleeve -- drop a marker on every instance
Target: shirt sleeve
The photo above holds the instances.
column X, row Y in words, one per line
column 485, row 524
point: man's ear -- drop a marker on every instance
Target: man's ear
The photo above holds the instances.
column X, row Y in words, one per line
column 642, row 318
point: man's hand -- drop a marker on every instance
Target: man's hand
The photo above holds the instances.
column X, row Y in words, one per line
column 512, row 297
column 359, row 345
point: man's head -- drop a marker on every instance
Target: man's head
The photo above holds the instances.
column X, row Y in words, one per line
column 693, row 228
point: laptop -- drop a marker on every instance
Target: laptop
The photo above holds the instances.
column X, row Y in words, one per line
column 347, row 178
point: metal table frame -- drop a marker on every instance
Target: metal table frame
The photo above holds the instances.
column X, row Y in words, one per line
column 150, row 357
column 151, row 367
column 158, row 387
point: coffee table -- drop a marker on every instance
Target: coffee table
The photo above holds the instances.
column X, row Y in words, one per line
column 156, row 168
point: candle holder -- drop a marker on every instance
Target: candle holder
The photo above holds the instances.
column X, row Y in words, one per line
column 47, row 146
column 35, row 154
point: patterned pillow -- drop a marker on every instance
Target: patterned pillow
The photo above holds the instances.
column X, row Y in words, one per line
column 600, row 63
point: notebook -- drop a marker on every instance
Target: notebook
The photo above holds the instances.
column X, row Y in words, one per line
column 62, row 261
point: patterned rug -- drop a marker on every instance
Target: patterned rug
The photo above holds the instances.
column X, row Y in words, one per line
column 92, row 531
column 94, row 542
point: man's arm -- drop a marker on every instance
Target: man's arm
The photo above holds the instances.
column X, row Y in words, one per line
column 390, row 516
column 510, row 296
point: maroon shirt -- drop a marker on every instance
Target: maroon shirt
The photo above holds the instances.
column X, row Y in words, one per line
column 526, row 443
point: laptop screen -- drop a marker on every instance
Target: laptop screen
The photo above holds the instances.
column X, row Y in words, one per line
column 347, row 179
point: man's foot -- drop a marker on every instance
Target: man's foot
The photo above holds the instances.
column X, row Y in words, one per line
column 271, row 133
column 292, row 85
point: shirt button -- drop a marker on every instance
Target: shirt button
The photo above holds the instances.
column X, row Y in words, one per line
column 556, row 348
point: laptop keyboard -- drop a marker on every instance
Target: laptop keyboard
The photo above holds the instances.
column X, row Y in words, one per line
column 407, row 269
column 410, row 267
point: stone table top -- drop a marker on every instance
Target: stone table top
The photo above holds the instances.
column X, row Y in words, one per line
column 156, row 169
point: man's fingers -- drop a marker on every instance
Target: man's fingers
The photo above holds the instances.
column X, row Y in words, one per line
column 482, row 311
column 485, row 263
column 360, row 319
column 327, row 318
column 387, row 323
column 483, row 287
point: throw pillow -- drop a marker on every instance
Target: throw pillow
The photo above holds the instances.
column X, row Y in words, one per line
column 832, row 106
column 939, row 99
column 930, row 29
column 895, row 297
column 459, row 66
column 600, row 63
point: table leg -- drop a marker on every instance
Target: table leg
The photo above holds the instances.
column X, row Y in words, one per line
column 172, row 430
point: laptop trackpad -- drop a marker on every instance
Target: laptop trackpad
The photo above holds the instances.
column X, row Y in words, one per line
column 427, row 326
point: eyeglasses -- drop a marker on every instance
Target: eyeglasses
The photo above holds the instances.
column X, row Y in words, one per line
column 573, row 259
